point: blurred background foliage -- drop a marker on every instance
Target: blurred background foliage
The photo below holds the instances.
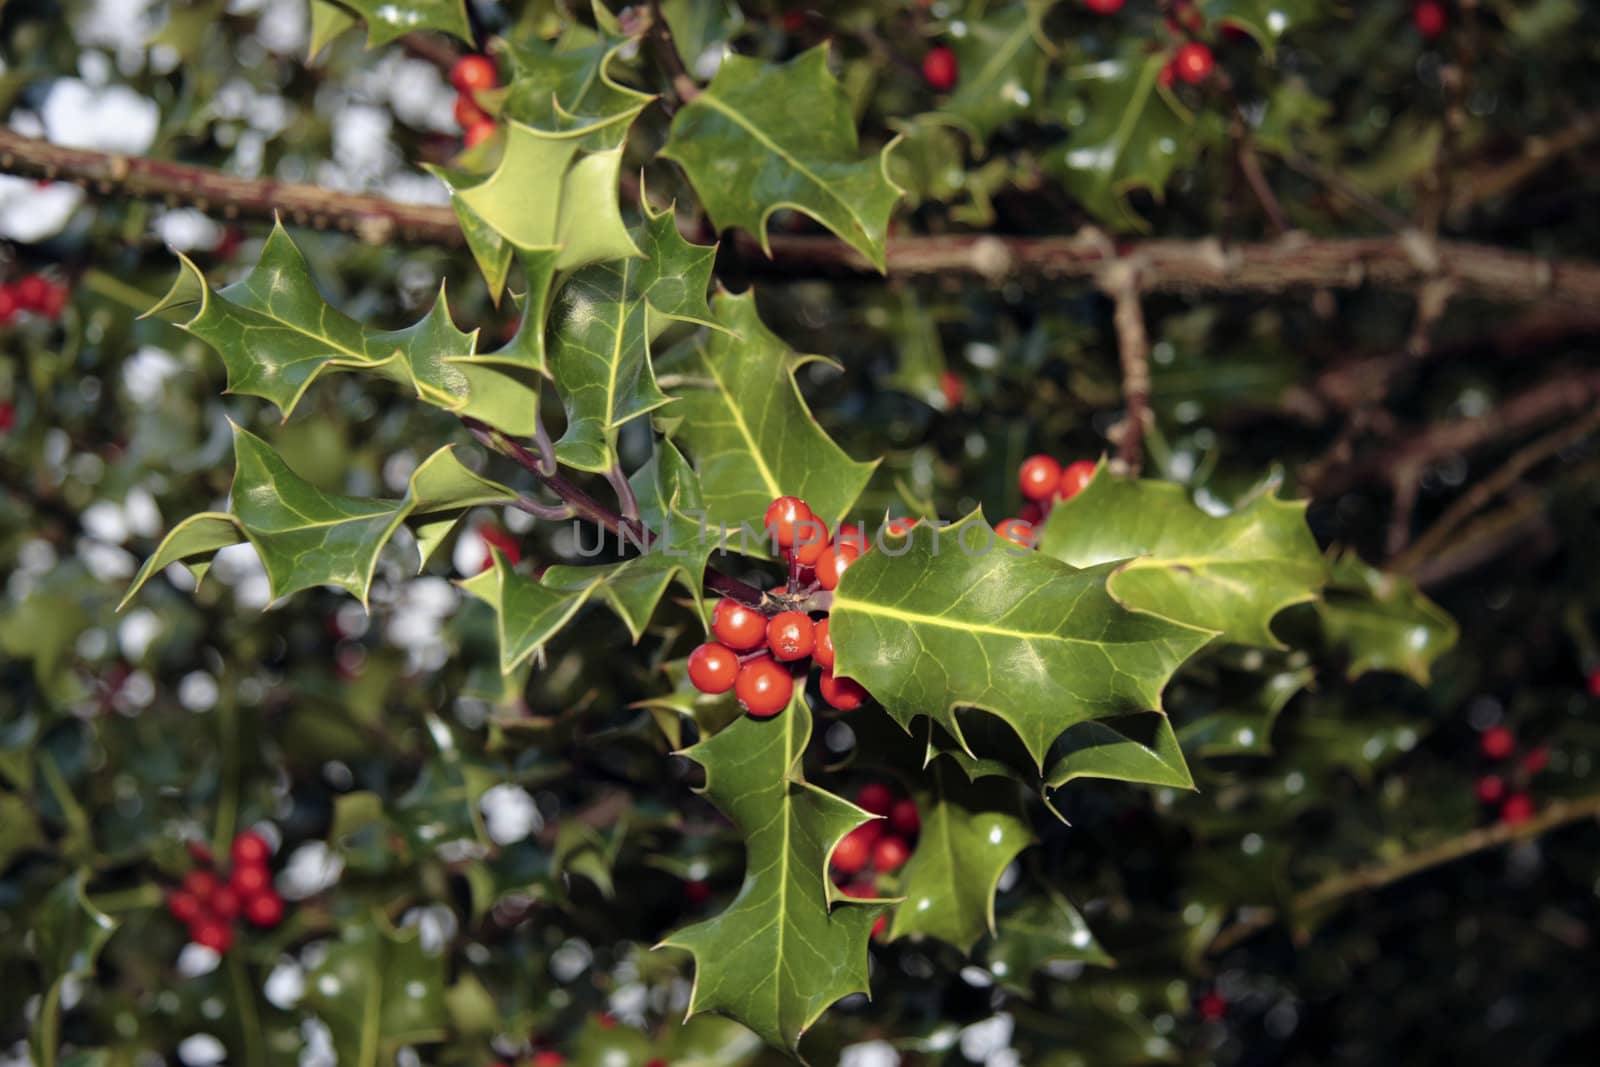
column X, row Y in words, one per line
column 491, row 860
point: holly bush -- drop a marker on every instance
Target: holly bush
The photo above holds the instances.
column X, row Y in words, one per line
column 944, row 533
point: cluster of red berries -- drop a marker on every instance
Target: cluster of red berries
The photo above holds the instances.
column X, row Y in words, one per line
column 471, row 75
column 1043, row 481
column 1430, row 18
column 1496, row 789
column 208, row 905
column 32, row 292
column 875, row 848
column 753, row 654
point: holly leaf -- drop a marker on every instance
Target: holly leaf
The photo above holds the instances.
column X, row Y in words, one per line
column 762, row 137
column 307, row 537
column 739, row 414
column 1127, row 133
column 328, row 21
column 1230, row 573
column 666, row 483
column 1383, row 621
column 567, row 85
column 1044, row 929
column 971, row 831
column 784, row 950
column 389, row 20
column 1002, row 72
column 1244, row 727
column 377, row 990
column 634, row 587
column 68, row 933
column 921, row 368
column 604, row 320
column 956, row 619
column 527, row 613
column 1265, row 20
column 277, row 335
column 1138, row 748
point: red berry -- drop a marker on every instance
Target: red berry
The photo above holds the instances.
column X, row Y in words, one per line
column 890, row 854
column 184, row 906
column 1594, row 682
column 264, row 909
column 852, row 852
column 1104, row 7
column 203, row 884
column 1430, row 18
column 763, row 688
column 850, row 534
column 811, row 541
column 547, row 1058
column 1167, row 76
column 739, row 627
column 32, row 292
column 697, row 891
column 248, row 879
column 713, row 668
column 1074, row 477
column 1018, row 531
column 1194, row 62
column 55, row 298
column 225, row 903
column 1039, row 476
column 790, row 635
column 832, row 563
column 903, row 818
column 251, row 849
column 860, row 890
column 1518, row 808
column 877, row 798
column 1497, row 742
column 1490, row 788
column 471, row 73
column 880, row 925
column 822, row 645
column 468, row 113
column 939, row 69
column 478, row 133
column 213, row 934
column 953, row 388
column 8, row 304
column 1536, row 759
column 1212, row 1007
column 846, row 694
column 784, row 516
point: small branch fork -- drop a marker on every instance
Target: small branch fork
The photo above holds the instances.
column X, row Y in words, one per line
column 1335, row 889
column 578, row 504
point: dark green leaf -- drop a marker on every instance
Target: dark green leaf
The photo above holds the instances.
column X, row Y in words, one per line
column 1044, row 929
column 389, row 20
column 1002, row 71
column 1383, row 622
column 68, row 933
column 377, row 990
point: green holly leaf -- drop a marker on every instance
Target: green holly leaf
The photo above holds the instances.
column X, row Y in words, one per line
column 388, row 20
column 527, row 613
column 328, row 21
column 1046, row 928
column 763, row 137
column 1265, row 20
column 1383, row 621
column 1229, row 573
column 971, row 831
column 664, row 484
column 784, row 949
column 1243, row 726
column 738, row 413
column 604, row 320
column 307, row 537
column 1126, row 133
column 1002, row 72
column 959, row 619
column 921, row 368
column 377, row 990
column 68, row 933
column 276, row 335
column 567, row 85
column 1138, row 748
column 634, row 587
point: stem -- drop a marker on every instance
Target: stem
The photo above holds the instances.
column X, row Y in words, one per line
column 1485, row 272
column 1334, row 890
column 1120, row 281
column 684, row 87
column 624, row 490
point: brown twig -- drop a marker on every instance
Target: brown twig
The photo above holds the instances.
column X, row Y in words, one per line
column 1485, row 491
column 684, row 87
column 1120, row 282
column 1333, row 890
column 1295, row 263
column 1538, row 152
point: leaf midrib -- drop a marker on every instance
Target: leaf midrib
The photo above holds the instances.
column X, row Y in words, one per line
column 743, row 428
column 912, row 618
